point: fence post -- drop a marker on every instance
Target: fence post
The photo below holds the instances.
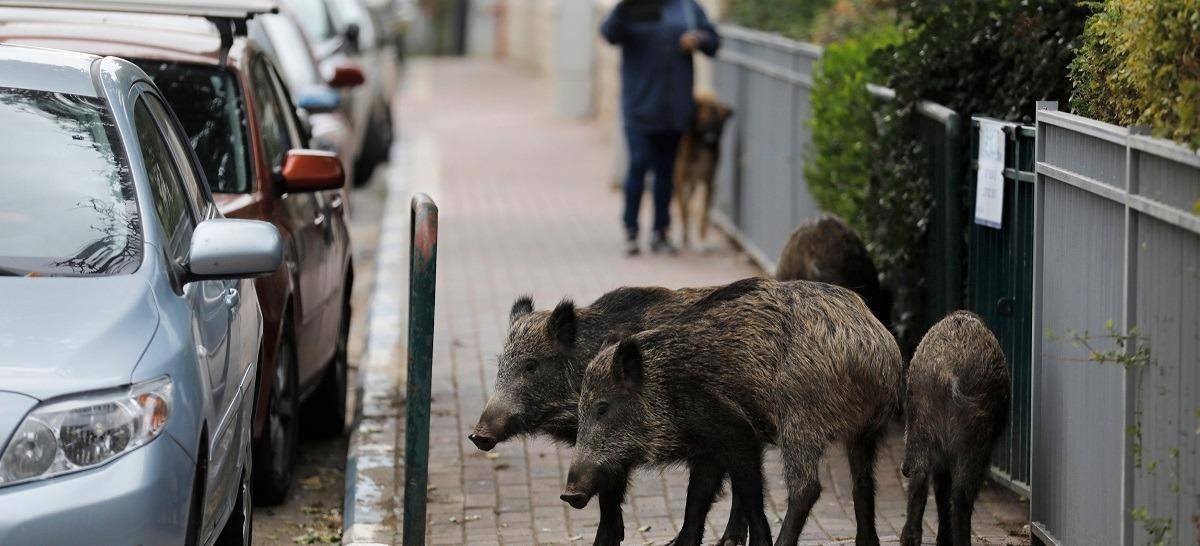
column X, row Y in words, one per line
column 422, row 279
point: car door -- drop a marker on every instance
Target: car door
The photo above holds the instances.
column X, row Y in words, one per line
column 302, row 213
column 241, row 342
column 179, row 210
column 335, row 240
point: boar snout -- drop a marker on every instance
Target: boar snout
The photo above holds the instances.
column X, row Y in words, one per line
column 497, row 424
column 577, row 500
column 581, row 485
column 482, row 441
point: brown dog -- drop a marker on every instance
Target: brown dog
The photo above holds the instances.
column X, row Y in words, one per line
column 696, row 164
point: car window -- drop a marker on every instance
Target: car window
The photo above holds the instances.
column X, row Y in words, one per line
column 209, row 105
column 271, row 115
column 67, row 200
column 193, row 181
column 170, row 200
column 314, row 16
column 291, row 119
column 292, row 51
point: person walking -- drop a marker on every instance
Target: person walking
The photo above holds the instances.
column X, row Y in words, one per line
column 657, row 39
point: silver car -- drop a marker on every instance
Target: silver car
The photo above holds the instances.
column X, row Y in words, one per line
column 129, row 333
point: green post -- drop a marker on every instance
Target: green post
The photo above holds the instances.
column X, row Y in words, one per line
column 422, row 244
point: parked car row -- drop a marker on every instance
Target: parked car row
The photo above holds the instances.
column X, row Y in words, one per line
column 175, row 266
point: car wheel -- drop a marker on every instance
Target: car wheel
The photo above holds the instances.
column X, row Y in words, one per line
column 276, row 450
column 376, row 148
column 326, row 415
column 239, row 528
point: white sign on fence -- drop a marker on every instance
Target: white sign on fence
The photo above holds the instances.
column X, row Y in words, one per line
column 989, row 186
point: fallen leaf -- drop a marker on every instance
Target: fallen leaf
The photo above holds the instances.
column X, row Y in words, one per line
column 492, row 456
column 471, row 518
column 643, row 528
column 311, row 482
column 574, row 538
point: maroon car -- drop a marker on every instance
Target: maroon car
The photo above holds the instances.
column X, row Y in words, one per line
column 254, row 150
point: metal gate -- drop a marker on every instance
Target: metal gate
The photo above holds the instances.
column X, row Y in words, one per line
column 1000, row 289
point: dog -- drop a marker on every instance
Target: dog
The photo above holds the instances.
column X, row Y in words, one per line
column 696, row 163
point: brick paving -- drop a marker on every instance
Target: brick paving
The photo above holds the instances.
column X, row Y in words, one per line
column 526, row 209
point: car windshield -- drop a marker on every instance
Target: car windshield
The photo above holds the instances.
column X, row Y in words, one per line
column 314, row 15
column 295, row 58
column 209, row 105
column 67, row 202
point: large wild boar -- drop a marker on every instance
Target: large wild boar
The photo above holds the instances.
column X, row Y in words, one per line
column 541, row 370
column 797, row 364
column 956, row 406
column 825, row 249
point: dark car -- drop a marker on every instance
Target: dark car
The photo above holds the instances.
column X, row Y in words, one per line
column 241, row 123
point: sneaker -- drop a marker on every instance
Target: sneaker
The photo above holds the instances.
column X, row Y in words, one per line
column 631, row 247
column 661, row 243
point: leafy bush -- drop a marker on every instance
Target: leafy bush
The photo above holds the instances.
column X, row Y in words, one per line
column 843, row 125
column 847, row 19
column 791, row 18
column 1139, row 64
column 997, row 58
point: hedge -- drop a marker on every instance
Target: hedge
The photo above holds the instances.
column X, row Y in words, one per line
column 837, row 169
column 1139, row 64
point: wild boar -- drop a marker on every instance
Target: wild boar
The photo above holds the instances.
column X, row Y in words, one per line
column 956, row 407
column 825, row 249
column 541, row 370
column 798, row 364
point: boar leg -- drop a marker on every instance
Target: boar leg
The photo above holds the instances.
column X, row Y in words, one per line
column 735, row 530
column 801, row 460
column 612, row 525
column 967, row 480
column 745, row 474
column 918, row 493
column 941, row 495
column 861, row 450
column 703, row 485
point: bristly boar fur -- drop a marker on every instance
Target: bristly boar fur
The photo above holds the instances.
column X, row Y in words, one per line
column 798, row 364
column 541, row 371
column 956, row 401
column 825, row 249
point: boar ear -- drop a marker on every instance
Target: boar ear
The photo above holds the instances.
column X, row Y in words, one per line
column 627, row 364
column 561, row 327
column 523, row 306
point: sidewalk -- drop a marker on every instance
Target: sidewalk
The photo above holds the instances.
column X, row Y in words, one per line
column 525, row 209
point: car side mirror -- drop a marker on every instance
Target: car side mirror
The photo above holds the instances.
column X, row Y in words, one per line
column 346, row 75
column 312, row 170
column 319, row 100
column 225, row 248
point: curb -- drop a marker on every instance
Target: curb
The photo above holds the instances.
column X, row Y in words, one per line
column 371, row 513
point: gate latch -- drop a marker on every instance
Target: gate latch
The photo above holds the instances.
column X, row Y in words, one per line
column 1004, row 306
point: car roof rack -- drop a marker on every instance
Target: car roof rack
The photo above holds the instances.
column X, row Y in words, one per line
column 229, row 16
column 221, row 9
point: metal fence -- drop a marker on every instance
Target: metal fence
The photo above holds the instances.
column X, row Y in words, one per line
column 761, row 193
column 1000, row 290
column 1116, row 439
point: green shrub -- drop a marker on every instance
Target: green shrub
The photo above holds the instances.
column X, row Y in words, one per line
column 843, row 125
column 1139, row 64
column 791, row 18
column 997, row 58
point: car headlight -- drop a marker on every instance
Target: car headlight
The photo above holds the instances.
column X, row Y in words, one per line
column 85, row 431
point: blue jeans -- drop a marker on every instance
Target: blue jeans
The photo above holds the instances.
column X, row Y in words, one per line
column 650, row 152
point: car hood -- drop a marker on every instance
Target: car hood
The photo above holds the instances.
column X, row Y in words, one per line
column 60, row 335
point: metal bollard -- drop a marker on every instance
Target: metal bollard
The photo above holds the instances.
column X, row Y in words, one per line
column 421, row 289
